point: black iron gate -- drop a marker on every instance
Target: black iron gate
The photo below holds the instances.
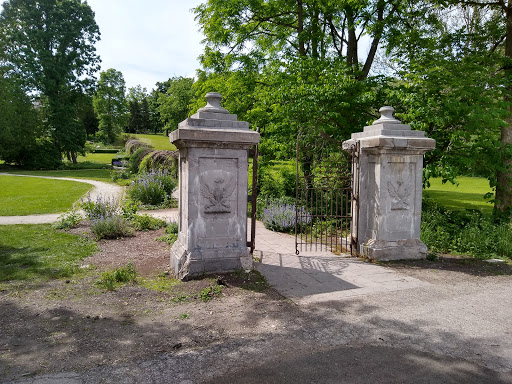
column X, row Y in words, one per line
column 251, row 199
column 324, row 196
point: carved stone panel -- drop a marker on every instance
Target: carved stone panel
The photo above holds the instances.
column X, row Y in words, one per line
column 218, row 181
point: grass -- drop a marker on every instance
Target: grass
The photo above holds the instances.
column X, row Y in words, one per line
column 92, row 174
column 40, row 252
column 27, row 196
column 468, row 194
column 101, row 159
column 158, row 142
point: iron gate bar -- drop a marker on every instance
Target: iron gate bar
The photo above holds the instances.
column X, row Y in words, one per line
column 254, row 192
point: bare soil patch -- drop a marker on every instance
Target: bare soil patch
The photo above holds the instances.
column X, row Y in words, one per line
column 74, row 324
column 65, row 325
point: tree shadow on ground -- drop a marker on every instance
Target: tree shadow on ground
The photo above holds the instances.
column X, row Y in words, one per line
column 272, row 339
column 468, row 266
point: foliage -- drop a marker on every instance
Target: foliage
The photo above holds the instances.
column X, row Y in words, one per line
column 137, row 158
column 20, row 126
column 171, row 233
column 277, row 180
column 146, row 223
column 173, row 103
column 160, row 160
column 172, row 227
column 132, row 145
column 110, row 280
column 152, row 188
column 120, row 175
column 280, row 217
column 68, row 220
column 209, row 293
column 111, row 227
column 139, row 120
column 99, row 208
column 110, row 104
column 32, row 252
column 464, row 232
column 31, row 195
column 56, row 61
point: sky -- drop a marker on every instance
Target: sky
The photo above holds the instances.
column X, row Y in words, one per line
column 148, row 41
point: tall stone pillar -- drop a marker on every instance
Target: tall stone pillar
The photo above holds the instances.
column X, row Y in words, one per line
column 388, row 213
column 213, row 147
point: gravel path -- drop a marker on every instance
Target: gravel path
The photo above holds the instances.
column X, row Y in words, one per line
column 100, row 189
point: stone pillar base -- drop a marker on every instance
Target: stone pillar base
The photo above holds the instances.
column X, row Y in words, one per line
column 412, row 249
column 197, row 263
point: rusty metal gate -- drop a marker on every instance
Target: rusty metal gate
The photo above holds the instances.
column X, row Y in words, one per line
column 324, row 196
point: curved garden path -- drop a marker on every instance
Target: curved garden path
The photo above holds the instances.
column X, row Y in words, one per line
column 100, row 189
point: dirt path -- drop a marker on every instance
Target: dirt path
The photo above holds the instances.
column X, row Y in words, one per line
column 100, row 188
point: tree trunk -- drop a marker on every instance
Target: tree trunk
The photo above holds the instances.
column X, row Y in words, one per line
column 73, row 157
column 503, row 203
column 300, row 28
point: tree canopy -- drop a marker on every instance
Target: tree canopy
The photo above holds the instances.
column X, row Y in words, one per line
column 50, row 46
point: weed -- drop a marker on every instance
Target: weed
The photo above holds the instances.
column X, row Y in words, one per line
column 112, row 279
column 169, row 238
column 68, row 220
column 172, row 227
column 146, row 222
column 209, row 293
column 161, row 283
column 183, row 316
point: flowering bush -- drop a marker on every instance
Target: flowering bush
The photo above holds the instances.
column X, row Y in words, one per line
column 102, row 207
column 111, row 227
column 280, row 217
column 153, row 188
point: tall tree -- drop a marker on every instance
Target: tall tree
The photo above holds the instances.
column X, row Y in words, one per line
column 50, row 44
column 110, row 104
column 173, row 105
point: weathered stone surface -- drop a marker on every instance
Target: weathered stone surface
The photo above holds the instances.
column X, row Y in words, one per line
column 390, row 187
column 213, row 192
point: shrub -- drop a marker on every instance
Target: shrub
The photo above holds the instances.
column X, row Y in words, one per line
column 111, row 227
column 154, row 188
column 276, row 182
column 101, row 208
column 172, row 227
column 132, row 145
column 120, row 175
column 111, row 279
column 147, row 223
column 68, row 220
column 464, row 232
column 160, row 160
column 280, row 217
column 136, row 159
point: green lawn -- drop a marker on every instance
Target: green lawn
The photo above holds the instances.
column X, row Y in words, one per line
column 101, row 159
column 29, row 195
column 158, row 142
column 469, row 194
column 93, row 174
column 40, row 252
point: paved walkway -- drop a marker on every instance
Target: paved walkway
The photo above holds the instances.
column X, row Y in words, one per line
column 101, row 188
column 321, row 276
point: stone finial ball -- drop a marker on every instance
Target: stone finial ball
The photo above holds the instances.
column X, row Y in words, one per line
column 386, row 116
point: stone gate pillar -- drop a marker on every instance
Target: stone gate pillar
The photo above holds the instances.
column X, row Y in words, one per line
column 389, row 188
column 213, row 147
